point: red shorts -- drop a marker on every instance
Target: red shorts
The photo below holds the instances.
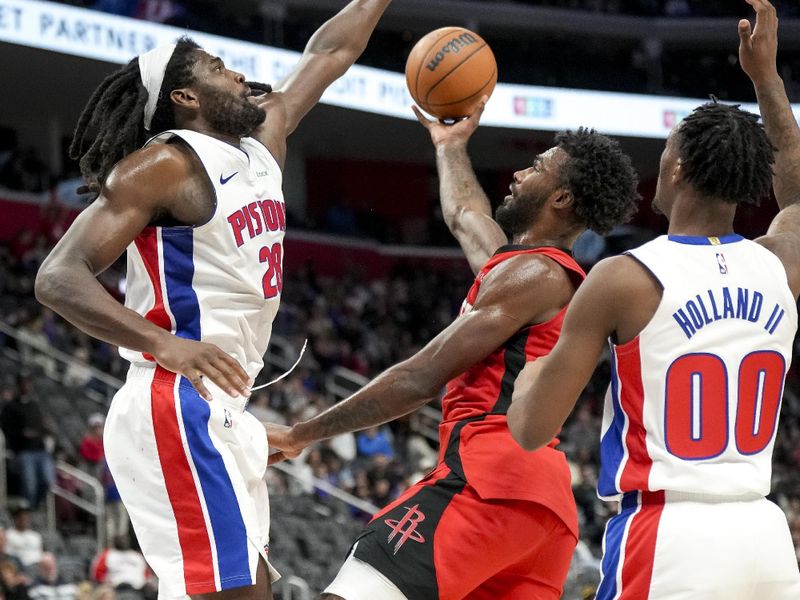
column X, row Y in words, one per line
column 442, row 541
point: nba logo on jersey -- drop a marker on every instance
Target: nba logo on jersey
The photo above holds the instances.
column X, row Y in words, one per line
column 723, row 266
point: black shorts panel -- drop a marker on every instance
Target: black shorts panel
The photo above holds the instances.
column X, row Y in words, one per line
column 400, row 542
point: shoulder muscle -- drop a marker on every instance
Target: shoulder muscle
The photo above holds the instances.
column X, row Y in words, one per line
column 530, row 287
column 619, row 296
column 150, row 176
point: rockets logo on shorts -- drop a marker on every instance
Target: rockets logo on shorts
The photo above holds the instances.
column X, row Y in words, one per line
column 406, row 527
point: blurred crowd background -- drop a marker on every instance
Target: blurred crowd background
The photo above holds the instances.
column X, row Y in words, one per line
column 357, row 316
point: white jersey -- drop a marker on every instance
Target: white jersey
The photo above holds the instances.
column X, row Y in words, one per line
column 219, row 282
column 695, row 398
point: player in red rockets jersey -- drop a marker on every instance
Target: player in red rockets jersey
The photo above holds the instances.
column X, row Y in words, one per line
column 701, row 324
column 490, row 520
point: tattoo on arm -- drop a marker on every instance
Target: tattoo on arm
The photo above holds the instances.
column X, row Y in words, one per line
column 349, row 416
column 389, row 396
column 783, row 132
column 459, row 188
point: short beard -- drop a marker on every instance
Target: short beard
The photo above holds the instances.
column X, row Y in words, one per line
column 517, row 216
column 230, row 114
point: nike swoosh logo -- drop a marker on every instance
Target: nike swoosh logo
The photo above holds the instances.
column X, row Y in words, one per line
column 224, row 180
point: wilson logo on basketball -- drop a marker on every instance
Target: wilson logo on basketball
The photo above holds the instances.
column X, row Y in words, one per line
column 406, row 527
column 454, row 46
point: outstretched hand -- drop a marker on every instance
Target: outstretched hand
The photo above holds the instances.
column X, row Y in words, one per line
column 455, row 133
column 758, row 47
column 281, row 439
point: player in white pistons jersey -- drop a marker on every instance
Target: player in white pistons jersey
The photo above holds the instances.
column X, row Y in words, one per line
column 703, row 381
column 223, row 278
column 701, row 324
column 200, row 211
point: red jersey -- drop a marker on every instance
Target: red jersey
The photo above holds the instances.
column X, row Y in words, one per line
column 475, row 441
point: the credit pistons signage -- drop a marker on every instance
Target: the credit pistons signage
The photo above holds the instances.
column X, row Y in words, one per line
column 115, row 39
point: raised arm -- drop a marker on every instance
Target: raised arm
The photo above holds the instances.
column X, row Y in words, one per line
column 138, row 191
column 330, row 52
column 465, row 207
column 757, row 53
column 512, row 296
column 758, row 50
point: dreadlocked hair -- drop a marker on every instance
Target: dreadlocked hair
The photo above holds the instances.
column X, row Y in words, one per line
column 601, row 178
column 111, row 125
column 726, row 154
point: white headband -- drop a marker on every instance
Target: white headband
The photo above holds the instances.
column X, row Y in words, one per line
column 152, row 66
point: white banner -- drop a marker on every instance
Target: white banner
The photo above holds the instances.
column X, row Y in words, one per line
column 110, row 38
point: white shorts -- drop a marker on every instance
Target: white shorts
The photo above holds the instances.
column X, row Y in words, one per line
column 358, row 580
column 190, row 474
column 673, row 546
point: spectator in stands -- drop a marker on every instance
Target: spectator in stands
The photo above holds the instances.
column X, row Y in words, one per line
column 259, row 406
column 104, row 592
column 4, row 555
column 120, row 566
column 32, row 333
column 344, row 446
column 25, row 428
column 34, row 255
column 22, row 541
column 579, row 434
column 79, row 373
column 589, row 248
column 48, row 583
column 13, row 583
column 67, row 515
column 585, row 569
column 373, row 441
column 117, row 520
column 85, row 590
column 91, row 448
column 419, row 454
column 382, row 493
column 584, row 488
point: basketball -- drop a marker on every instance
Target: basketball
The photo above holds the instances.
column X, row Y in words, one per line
column 449, row 70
